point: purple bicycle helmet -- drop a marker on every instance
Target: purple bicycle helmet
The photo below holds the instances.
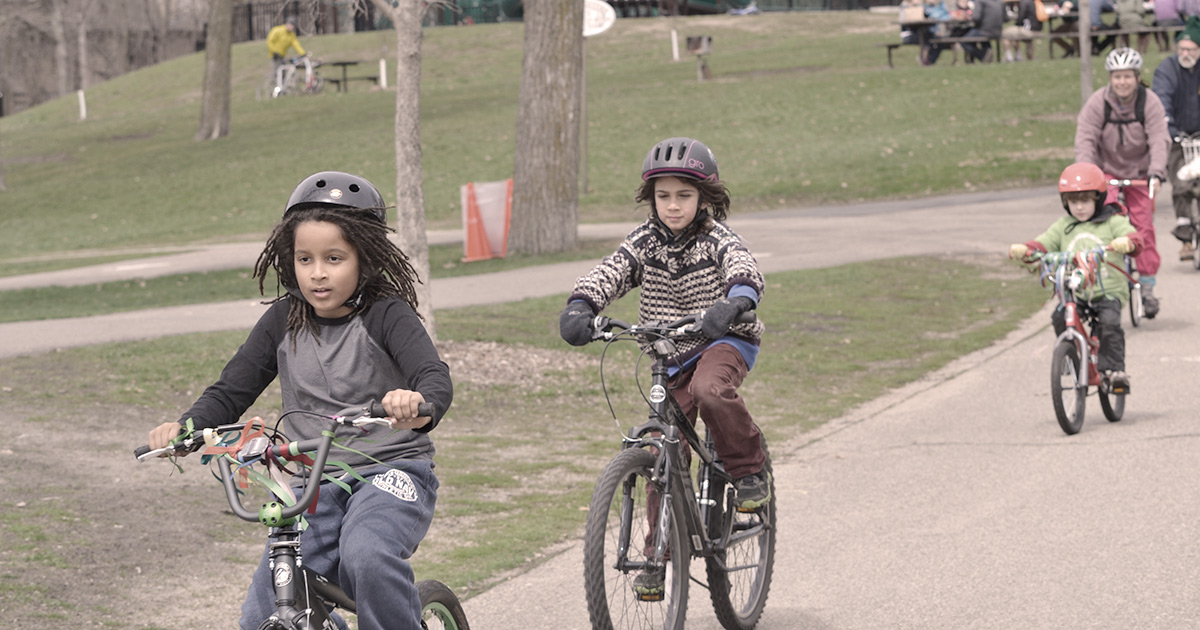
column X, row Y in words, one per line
column 683, row 157
column 337, row 190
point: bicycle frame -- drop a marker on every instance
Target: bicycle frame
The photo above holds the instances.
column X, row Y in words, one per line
column 663, row 433
column 304, row 599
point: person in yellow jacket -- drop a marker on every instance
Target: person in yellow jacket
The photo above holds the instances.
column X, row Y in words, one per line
column 279, row 40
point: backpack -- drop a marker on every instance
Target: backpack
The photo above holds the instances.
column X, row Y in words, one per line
column 1139, row 112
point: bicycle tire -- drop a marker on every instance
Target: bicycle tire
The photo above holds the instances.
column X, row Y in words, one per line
column 1195, row 244
column 266, row 88
column 440, row 607
column 1113, row 405
column 1068, row 388
column 620, row 510
column 739, row 594
column 1135, row 304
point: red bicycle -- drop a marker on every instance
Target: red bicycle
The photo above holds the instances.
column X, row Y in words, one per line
column 1073, row 369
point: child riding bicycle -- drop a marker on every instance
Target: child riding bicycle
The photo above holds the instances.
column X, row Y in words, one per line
column 1091, row 223
column 345, row 331
column 686, row 261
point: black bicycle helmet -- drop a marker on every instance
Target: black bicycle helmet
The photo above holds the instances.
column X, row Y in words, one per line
column 684, row 157
column 338, row 190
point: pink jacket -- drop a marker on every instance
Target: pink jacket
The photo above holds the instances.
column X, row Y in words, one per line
column 1127, row 151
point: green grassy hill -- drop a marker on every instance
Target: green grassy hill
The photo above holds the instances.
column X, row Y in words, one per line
column 802, row 110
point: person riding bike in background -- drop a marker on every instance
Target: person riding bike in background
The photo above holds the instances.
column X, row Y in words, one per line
column 1091, row 222
column 344, row 333
column 1123, row 129
column 1177, row 84
column 280, row 39
column 686, row 261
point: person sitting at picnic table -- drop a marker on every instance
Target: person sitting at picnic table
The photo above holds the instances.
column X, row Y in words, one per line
column 1130, row 17
column 935, row 10
column 989, row 21
column 1026, row 25
column 1166, row 13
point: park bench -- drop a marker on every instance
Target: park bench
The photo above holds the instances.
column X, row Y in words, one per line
column 955, row 42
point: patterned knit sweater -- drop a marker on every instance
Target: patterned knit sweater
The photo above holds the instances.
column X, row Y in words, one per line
column 678, row 276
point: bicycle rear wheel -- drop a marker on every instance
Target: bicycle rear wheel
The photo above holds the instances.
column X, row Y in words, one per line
column 440, row 608
column 618, row 545
column 1068, row 388
column 739, row 576
column 1195, row 244
column 265, row 89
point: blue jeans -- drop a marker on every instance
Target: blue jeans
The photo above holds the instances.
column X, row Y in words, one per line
column 973, row 50
column 363, row 540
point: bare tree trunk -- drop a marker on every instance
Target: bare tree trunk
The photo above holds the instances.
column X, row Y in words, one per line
column 2, row 186
column 59, row 33
column 545, row 213
column 410, row 195
column 82, row 43
column 214, row 113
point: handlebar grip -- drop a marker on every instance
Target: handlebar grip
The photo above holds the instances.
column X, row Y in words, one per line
column 376, row 409
column 746, row 317
column 141, row 450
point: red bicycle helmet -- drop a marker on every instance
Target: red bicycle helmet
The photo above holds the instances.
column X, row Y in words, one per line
column 683, row 157
column 1081, row 176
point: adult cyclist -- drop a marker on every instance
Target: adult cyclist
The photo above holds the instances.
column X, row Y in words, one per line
column 279, row 40
column 1123, row 129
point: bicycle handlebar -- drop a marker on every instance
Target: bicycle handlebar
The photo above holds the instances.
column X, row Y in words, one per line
column 370, row 413
column 1151, row 183
column 604, row 327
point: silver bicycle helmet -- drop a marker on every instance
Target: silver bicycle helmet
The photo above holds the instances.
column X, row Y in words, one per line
column 337, row 190
column 1123, row 59
column 680, row 156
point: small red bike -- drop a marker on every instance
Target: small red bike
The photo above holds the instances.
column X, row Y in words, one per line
column 1073, row 369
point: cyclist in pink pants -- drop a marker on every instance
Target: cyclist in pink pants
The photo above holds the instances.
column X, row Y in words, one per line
column 1123, row 129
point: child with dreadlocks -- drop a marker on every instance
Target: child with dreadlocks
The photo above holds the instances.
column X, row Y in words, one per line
column 346, row 332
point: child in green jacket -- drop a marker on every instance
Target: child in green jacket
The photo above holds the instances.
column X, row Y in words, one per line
column 1088, row 224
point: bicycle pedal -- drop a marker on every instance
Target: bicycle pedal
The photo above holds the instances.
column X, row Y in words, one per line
column 649, row 597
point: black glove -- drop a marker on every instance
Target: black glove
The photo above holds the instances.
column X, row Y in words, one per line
column 719, row 317
column 575, row 323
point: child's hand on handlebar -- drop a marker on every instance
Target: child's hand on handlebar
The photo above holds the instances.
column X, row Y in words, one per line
column 1018, row 251
column 1122, row 245
column 401, row 406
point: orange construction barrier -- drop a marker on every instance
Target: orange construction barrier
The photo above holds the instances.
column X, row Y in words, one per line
column 487, row 211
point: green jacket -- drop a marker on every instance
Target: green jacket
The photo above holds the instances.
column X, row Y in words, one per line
column 1071, row 235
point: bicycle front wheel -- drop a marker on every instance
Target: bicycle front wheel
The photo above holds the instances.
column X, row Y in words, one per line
column 1068, row 387
column 739, row 575
column 1135, row 303
column 440, row 608
column 624, row 525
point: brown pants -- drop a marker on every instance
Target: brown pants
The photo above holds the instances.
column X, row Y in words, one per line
column 711, row 389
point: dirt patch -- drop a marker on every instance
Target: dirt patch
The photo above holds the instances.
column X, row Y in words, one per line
column 89, row 537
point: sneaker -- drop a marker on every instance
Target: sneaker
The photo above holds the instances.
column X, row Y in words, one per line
column 1118, row 381
column 1187, row 251
column 1149, row 306
column 1183, row 232
column 753, row 491
column 650, row 584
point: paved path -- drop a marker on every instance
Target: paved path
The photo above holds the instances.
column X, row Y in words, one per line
column 954, row 502
column 781, row 240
